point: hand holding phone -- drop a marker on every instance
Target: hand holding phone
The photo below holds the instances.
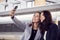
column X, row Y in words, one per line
column 13, row 11
column 15, row 8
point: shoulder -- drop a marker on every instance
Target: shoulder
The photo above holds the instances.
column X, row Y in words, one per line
column 53, row 26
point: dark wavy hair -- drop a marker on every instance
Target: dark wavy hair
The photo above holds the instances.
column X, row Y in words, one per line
column 48, row 17
column 48, row 20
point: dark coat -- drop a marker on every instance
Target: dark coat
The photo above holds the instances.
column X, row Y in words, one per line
column 52, row 32
column 58, row 34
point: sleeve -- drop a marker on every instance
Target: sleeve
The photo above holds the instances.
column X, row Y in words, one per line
column 18, row 23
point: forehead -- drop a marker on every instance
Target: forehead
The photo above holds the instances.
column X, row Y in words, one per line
column 36, row 13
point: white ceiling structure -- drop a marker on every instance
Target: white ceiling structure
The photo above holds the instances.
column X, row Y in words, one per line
column 22, row 18
column 54, row 0
column 4, row 20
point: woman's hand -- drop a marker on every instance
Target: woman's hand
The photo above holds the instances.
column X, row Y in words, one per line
column 12, row 13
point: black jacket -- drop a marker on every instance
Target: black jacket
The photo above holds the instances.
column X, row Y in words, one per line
column 58, row 34
column 52, row 32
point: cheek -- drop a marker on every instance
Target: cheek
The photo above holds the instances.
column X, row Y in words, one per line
column 33, row 20
column 37, row 19
column 42, row 18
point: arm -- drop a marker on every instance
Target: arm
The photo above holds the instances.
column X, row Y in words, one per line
column 18, row 23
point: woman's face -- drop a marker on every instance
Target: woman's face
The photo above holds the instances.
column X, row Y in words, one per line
column 42, row 17
column 36, row 17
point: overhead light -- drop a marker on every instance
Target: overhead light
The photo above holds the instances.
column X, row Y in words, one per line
column 28, row 0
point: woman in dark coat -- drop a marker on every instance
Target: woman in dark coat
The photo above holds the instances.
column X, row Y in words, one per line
column 46, row 25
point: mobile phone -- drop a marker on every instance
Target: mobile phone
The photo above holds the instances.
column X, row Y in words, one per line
column 15, row 7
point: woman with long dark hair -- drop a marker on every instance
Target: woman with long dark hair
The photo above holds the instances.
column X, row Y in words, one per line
column 31, row 31
column 47, row 25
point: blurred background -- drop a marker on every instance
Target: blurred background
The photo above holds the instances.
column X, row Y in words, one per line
column 8, row 30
